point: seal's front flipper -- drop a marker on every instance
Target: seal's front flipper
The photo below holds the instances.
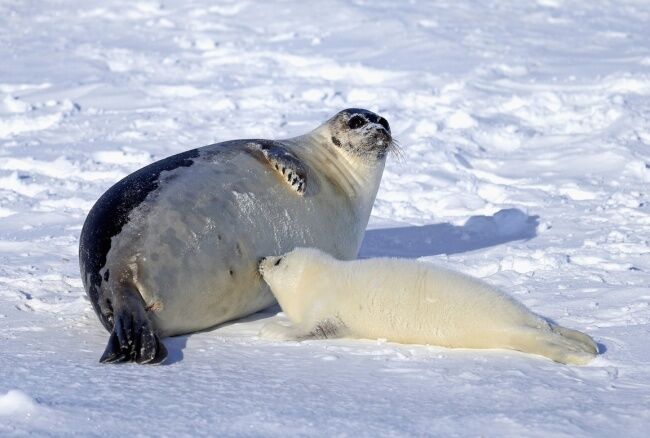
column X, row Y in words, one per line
column 274, row 331
column 288, row 166
column 133, row 338
column 326, row 329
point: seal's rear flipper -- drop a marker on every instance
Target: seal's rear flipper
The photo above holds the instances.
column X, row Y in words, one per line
column 587, row 343
column 133, row 338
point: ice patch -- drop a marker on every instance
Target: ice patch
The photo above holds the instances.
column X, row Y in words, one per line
column 5, row 212
column 59, row 168
column 175, row 91
column 229, row 10
column 19, row 124
column 122, row 157
column 13, row 88
column 16, row 403
column 510, row 70
column 460, row 120
column 630, row 85
column 21, row 185
column 574, row 192
column 14, row 105
column 550, row 3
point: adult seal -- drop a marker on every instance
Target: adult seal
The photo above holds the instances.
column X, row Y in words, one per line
column 173, row 248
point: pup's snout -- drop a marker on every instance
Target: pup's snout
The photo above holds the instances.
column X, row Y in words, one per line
column 259, row 264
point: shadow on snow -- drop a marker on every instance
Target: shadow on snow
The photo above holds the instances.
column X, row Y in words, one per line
column 427, row 240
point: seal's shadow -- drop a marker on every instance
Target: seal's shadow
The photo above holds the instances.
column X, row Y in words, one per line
column 175, row 346
column 427, row 240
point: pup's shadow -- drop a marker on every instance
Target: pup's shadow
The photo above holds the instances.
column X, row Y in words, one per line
column 427, row 240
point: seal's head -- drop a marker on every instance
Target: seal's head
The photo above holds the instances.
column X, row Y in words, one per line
column 361, row 133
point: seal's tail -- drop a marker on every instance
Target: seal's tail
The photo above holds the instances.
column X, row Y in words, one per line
column 557, row 343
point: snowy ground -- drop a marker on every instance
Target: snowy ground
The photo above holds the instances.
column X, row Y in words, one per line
column 526, row 136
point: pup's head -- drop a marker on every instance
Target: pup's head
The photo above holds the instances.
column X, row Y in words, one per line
column 283, row 273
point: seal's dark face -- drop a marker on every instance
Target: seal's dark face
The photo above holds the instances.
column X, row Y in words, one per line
column 361, row 133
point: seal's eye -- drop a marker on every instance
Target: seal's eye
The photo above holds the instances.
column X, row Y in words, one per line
column 383, row 122
column 277, row 262
column 356, row 122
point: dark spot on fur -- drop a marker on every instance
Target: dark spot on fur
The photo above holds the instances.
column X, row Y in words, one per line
column 106, row 275
column 336, row 141
column 231, row 272
column 218, row 236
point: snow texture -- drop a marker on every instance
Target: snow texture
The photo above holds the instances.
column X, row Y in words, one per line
column 525, row 128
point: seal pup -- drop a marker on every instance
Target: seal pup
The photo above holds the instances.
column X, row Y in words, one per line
column 173, row 247
column 407, row 301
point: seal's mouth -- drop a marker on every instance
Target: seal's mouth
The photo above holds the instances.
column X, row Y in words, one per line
column 384, row 143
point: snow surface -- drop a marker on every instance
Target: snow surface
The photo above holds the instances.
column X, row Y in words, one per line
column 525, row 128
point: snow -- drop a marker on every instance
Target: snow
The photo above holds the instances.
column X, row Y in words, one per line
column 525, row 129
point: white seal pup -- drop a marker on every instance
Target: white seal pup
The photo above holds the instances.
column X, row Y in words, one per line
column 409, row 302
column 173, row 248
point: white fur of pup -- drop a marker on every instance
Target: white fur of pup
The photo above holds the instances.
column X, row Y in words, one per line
column 407, row 301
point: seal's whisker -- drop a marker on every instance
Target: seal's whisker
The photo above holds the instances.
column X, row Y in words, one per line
column 396, row 150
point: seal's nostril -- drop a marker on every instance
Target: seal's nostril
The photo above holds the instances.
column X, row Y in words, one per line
column 383, row 122
column 277, row 262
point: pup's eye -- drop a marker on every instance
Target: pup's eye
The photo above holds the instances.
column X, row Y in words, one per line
column 277, row 262
column 356, row 122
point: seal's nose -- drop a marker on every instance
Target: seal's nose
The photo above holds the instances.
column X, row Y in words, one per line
column 259, row 263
